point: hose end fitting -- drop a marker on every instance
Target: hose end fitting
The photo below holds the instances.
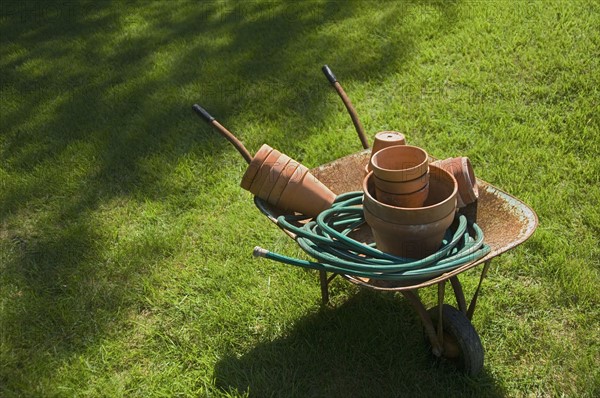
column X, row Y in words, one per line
column 259, row 252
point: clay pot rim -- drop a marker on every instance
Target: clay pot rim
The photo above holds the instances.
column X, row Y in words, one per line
column 461, row 168
column 275, row 172
column 395, row 223
column 424, row 208
column 380, row 143
column 263, row 172
column 288, row 178
column 396, row 133
column 416, row 199
column 391, row 186
column 419, row 169
column 254, row 166
column 426, row 186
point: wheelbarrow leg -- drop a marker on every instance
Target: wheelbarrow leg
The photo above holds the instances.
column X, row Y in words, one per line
column 440, row 326
column 459, row 294
column 471, row 309
column 325, row 285
column 415, row 301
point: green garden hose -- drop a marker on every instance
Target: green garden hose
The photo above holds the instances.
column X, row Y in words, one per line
column 326, row 240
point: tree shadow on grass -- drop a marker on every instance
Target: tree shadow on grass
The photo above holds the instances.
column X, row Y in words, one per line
column 95, row 91
column 371, row 345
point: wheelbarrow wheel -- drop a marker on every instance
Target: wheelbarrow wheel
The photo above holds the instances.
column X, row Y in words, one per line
column 462, row 346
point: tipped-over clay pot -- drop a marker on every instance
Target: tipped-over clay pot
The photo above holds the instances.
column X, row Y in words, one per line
column 285, row 183
column 462, row 170
column 264, row 171
column 254, row 166
column 292, row 169
column 306, row 195
column 412, row 232
column 274, row 172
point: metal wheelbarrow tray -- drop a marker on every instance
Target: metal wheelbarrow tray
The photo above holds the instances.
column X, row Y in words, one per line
column 506, row 223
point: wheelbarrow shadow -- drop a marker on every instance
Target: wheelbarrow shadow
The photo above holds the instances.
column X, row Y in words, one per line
column 372, row 345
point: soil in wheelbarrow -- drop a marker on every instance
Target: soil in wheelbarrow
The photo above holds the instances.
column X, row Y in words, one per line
column 343, row 177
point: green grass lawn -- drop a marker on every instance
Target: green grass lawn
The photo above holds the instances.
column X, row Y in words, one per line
column 126, row 241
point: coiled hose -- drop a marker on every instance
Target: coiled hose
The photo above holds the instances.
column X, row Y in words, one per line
column 326, row 239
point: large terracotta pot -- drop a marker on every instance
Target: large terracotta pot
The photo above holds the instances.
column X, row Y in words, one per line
column 414, row 241
column 440, row 200
column 412, row 232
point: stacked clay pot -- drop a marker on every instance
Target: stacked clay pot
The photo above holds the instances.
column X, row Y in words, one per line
column 462, row 170
column 401, row 175
column 285, row 183
column 412, row 232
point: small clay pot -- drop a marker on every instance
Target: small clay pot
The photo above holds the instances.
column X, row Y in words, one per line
column 412, row 200
column 254, row 166
column 401, row 187
column 400, row 163
column 385, row 139
column 462, row 170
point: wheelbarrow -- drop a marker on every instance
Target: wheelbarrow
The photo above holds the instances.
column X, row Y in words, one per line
column 505, row 221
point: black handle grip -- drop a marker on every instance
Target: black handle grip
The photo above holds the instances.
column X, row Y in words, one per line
column 329, row 74
column 203, row 113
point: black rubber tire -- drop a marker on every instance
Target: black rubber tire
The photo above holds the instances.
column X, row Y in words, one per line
column 458, row 330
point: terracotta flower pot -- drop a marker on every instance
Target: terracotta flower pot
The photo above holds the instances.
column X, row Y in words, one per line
column 440, row 200
column 288, row 171
column 254, row 166
column 285, row 183
column 385, row 139
column 412, row 232
column 413, row 199
column 462, row 170
column 306, row 195
column 264, row 171
column 408, row 240
column 275, row 170
column 400, row 163
column 401, row 187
